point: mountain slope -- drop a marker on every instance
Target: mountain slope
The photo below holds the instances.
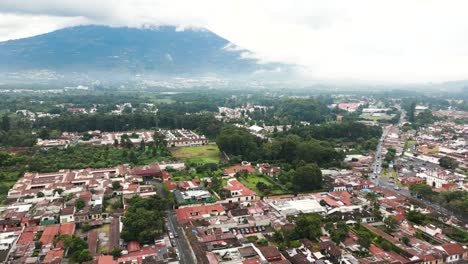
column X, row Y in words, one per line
column 99, row 48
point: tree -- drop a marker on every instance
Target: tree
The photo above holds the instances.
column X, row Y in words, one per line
column 142, row 145
column 406, row 241
column 385, row 245
column 340, row 233
column 372, row 196
column 391, row 223
column 59, row 191
column 239, row 142
column 416, row 217
column 309, row 225
column 5, row 122
column 421, row 189
column 116, row 185
column 144, row 220
column 261, row 186
column 307, row 178
column 116, row 252
column 76, row 248
column 85, row 227
column 132, row 157
column 364, row 240
column 411, row 111
column 448, row 163
column 80, row 204
column 83, row 256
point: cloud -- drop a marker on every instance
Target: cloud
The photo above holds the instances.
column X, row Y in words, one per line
column 378, row 41
column 15, row 26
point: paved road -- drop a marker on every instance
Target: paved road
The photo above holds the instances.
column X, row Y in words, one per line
column 183, row 246
column 384, row 182
column 181, row 243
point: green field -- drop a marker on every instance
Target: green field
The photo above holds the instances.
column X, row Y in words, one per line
column 198, row 155
column 251, row 182
column 376, row 118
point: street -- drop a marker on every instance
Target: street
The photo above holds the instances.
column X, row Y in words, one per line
column 180, row 241
column 384, row 182
column 185, row 255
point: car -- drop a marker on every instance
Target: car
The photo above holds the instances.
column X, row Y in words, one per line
column 397, row 188
column 241, row 230
column 247, row 231
column 171, row 235
column 255, row 229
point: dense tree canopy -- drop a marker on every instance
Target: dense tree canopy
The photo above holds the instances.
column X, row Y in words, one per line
column 448, row 163
column 239, row 142
column 307, row 178
column 144, row 220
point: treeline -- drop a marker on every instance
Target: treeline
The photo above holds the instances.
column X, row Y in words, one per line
column 239, row 143
column 293, row 149
column 79, row 157
column 291, row 111
column 457, row 201
column 16, row 132
column 344, row 131
column 205, row 123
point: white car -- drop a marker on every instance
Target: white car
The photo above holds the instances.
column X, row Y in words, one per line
column 171, row 236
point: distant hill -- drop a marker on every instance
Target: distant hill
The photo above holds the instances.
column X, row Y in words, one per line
column 161, row 50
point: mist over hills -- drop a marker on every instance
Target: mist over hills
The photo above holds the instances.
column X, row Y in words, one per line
column 162, row 50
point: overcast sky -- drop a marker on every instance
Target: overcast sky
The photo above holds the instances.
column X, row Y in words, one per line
column 378, row 41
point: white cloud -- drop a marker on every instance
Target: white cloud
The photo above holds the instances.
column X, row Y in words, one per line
column 393, row 41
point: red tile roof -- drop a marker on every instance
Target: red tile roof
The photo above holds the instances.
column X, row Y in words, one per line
column 235, row 185
column 146, row 251
column 186, row 214
column 53, row 255
column 453, row 248
column 93, row 241
column 26, row 238
column 49, row 234
column 133, row 246
column 106, row 260
column 67, row 228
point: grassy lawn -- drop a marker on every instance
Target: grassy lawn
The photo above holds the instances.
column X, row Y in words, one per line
column 409, row 145
column 199, row 155
column 104, row 233
column 375, row 118
column 433, row 150
column 252, row 180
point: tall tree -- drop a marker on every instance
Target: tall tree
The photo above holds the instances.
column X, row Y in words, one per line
column 307, row 178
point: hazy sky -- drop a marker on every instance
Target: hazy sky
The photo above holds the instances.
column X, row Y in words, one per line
column 389, row 41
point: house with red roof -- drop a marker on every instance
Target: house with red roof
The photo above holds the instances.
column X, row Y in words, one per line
column 188, row 185
column 187, row 214
column 67, row 214
column 50, row 232
column 53, row 256
column 239, row 169
column 67, row 229
column 267, row 169
column 106, row 260
column 239, row 192
column 455, row 251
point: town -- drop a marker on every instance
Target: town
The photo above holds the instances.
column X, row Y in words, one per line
column 358, row 179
